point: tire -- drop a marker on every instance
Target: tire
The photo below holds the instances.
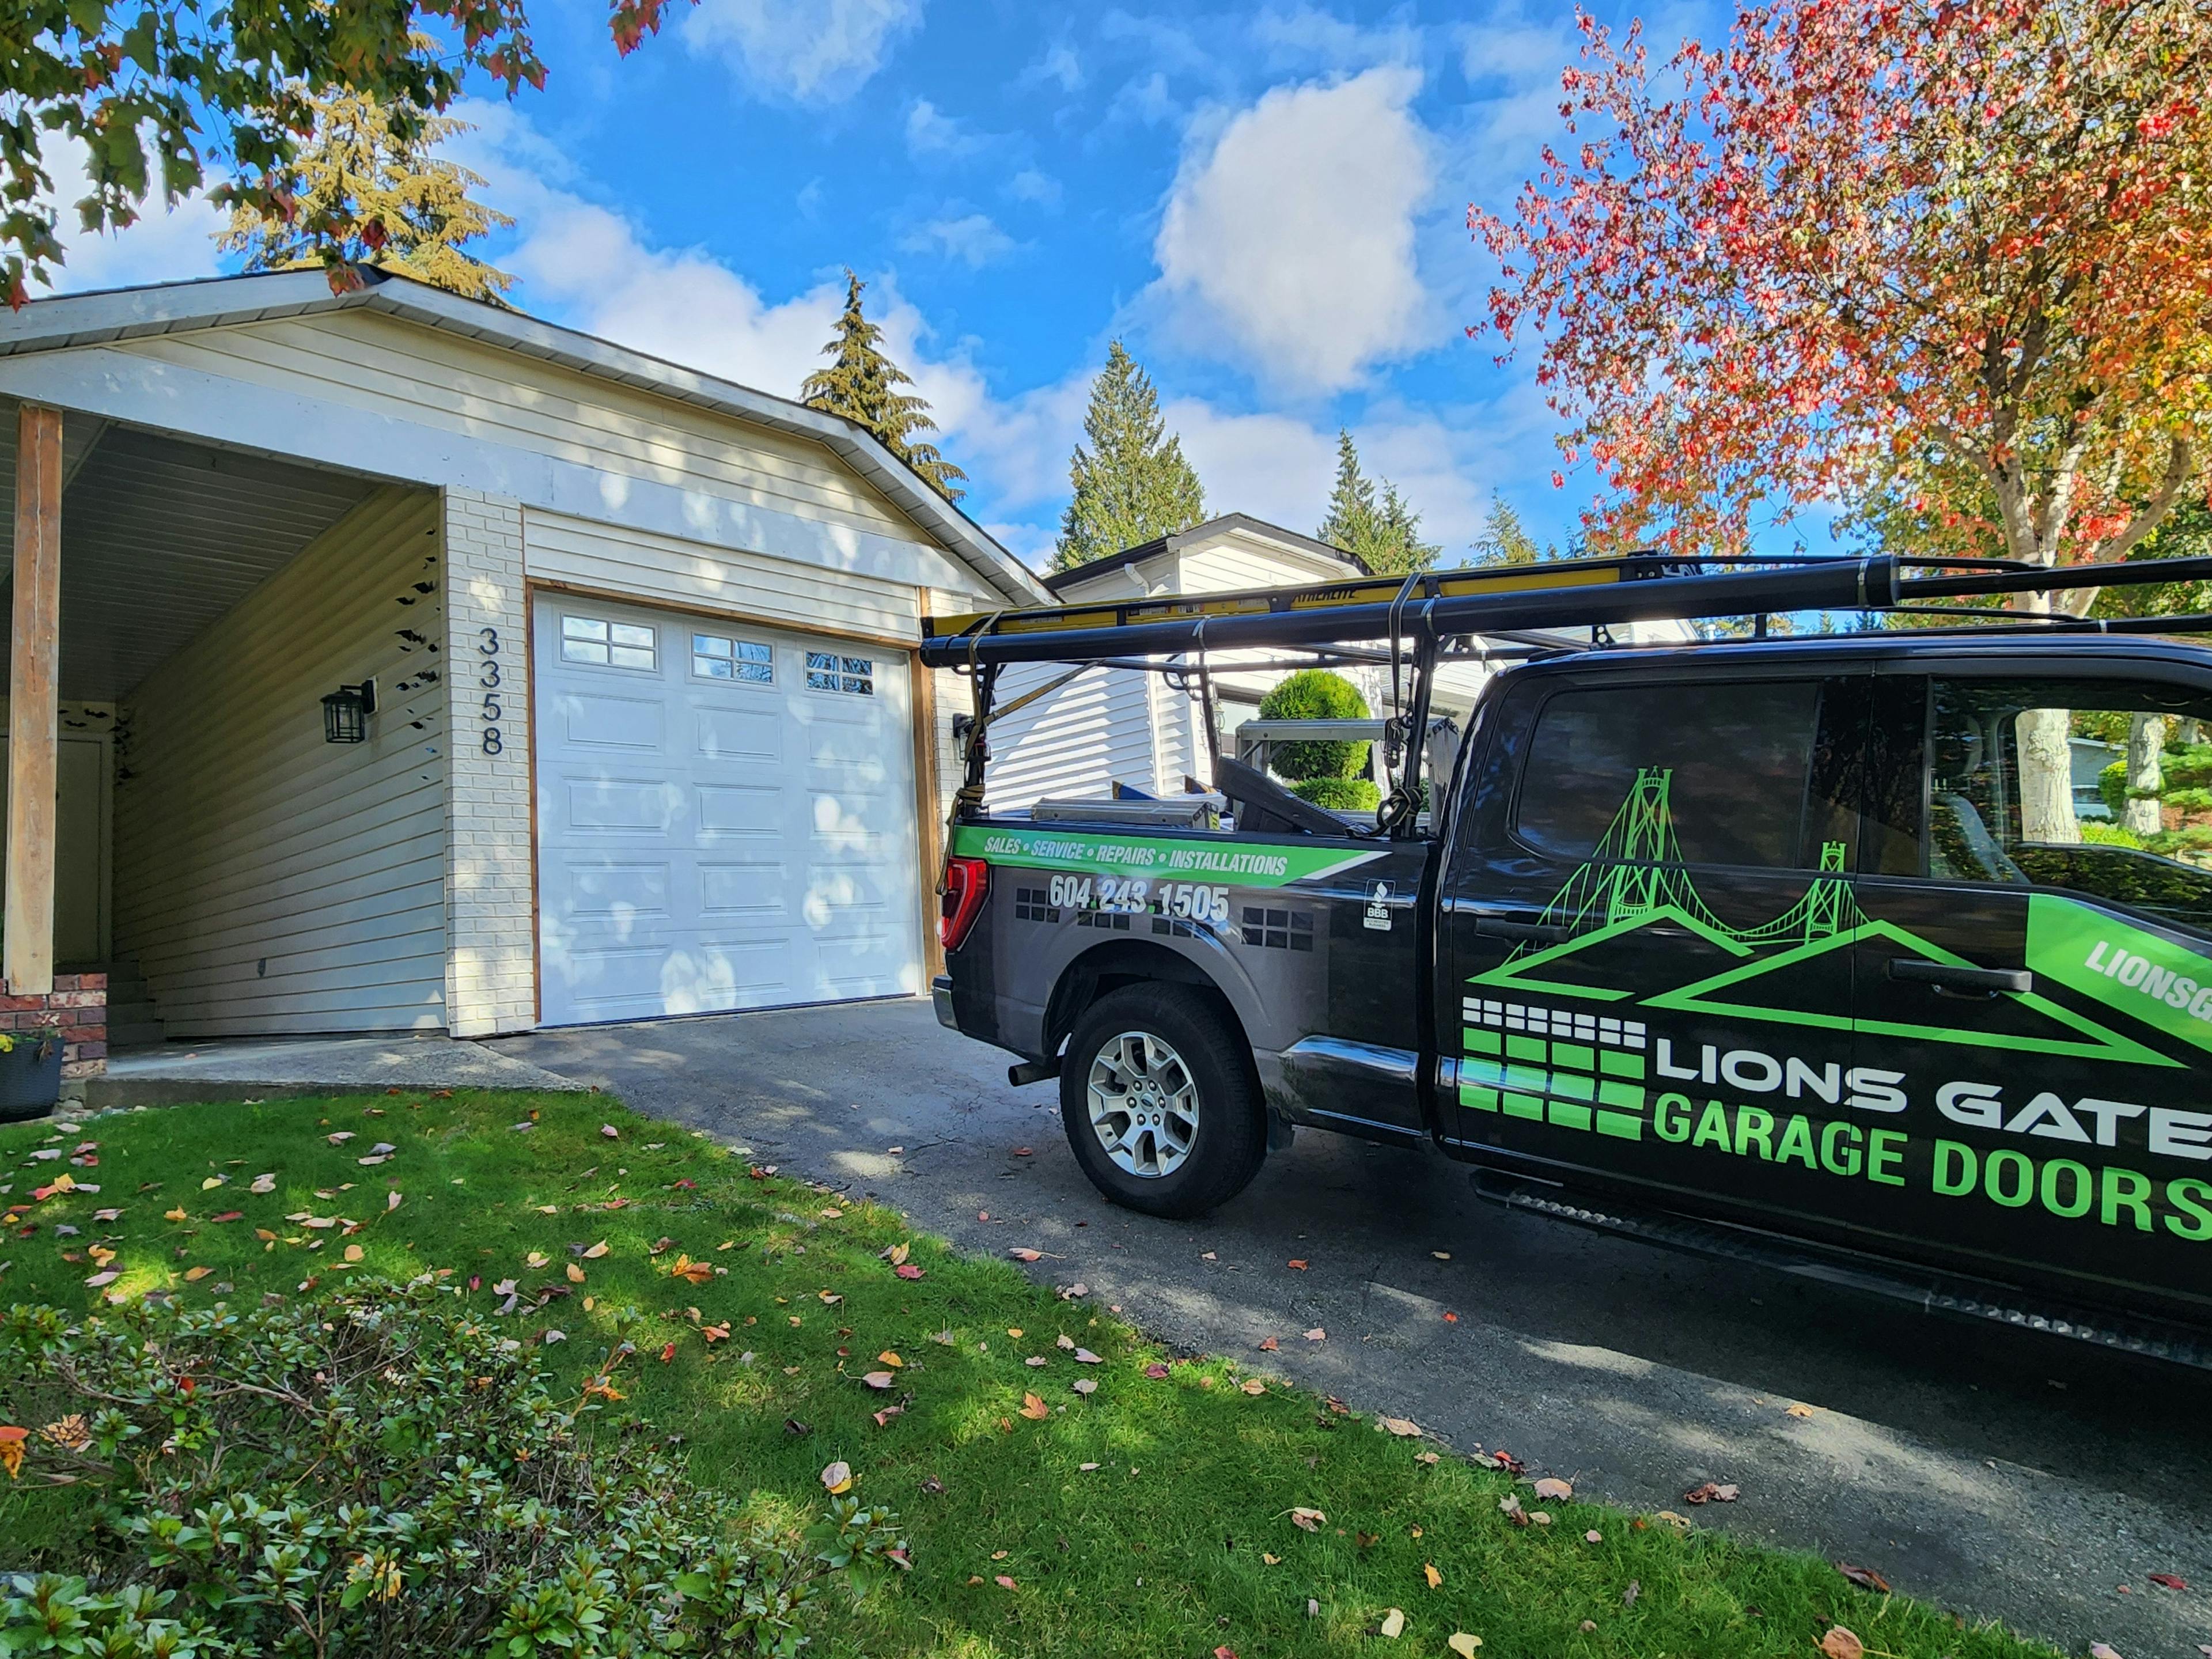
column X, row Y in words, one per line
column 1201, row 1135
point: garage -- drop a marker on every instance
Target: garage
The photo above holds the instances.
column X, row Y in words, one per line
column 726, row 815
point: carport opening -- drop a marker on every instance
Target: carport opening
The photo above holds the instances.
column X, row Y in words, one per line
column 230, row 871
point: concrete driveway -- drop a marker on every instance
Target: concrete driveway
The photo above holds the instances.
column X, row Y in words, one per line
column 2005, row 1476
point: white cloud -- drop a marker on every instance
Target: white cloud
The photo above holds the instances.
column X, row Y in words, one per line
column 165, row 245
column 931, row 132
column 971, row 238
column 1060, row 64
column 1304, row 34
column 815, row 52
column 1288, row 242
column 1031, row 186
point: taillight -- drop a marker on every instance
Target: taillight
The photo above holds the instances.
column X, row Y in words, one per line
column 966, row 883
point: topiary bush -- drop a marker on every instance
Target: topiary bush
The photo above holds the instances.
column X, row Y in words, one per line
column 1340, row 795
column 375, row 1474
column 1315, row 694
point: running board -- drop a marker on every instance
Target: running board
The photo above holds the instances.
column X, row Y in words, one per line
column 2150, row 1337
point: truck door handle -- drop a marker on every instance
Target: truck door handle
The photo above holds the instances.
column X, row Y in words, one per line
column 1496, row 926
column 1947, row 976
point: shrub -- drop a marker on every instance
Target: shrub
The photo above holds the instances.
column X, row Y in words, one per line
column 2095, row 834
column 376, row 1474
column 1315, row 694
column 1340, row 795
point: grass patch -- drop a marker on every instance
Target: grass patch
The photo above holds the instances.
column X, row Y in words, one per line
column 1178, row 1541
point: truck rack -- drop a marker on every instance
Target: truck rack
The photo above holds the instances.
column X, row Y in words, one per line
column 1415, row 615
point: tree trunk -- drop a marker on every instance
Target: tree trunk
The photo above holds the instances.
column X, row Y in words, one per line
column 2046, row 776
column 2146, row 742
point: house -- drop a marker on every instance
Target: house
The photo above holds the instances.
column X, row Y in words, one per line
column 389, row 661
column 1145, row 731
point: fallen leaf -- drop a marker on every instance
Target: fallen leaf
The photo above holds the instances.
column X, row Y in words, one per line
column 107, row 1215
column 829, row 1298
column 1272, row 1560
column 1593, row 1536
column 1268, row 1345
column 1540, row 1517
column 1441, row 1256
column 1404, row 1427
column 177, row 1214
column 2099, row 1651
column 1209, row 1255
column 1800, row 1410
column 907, row 1270
column 1635, row 1589
column 237, row 1215
column 1003, row 1581
column 1549, row 1487
column 1035, row 1360
column 879, row 1380
column 1084, row 1357
column 193, row 1275
column 1034, row 1409
column 1841, row 1644
column 837, row 1478
column 2167, row 1581
column 353, row 1253
column 668, row 1353
column 1680, row 1523
column 1429, row 1571
column 536, row 1259
column 1865, row 1577
column 575, row 1274
column 884, row 1417
column 1085, row 1385
column 340, row 1138
column 1224, row 1652
column 833, row 1215
column 391, row 1202
column 1709, row 1492
column 211, row 1183
column 1296, row 1263
column 101, row 1279
column 1157, row 1373
column 1464, row 1645
column 1308, row 1520
column 1427, row 1458
column 1317, row 1334
column 1254, row 1385
column 596, row 1251
column 714, row 1334
column 1394, row 1625
column 610, row 1132
column 263, row 1183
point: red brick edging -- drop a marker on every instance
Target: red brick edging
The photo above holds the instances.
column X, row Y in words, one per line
column 78, row 1008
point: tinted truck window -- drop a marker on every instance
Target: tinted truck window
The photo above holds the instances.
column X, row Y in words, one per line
column 1736, row 754
column 2101, row 787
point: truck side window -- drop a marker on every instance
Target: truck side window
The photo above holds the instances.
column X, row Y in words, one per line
column 2100, row 787
column 1711, row 773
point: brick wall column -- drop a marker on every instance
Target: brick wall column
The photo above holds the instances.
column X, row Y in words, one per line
column 491, row 969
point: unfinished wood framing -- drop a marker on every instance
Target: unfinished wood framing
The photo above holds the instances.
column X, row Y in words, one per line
column 33, row 682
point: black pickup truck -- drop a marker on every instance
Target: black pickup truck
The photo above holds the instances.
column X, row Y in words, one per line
column 1826, row 952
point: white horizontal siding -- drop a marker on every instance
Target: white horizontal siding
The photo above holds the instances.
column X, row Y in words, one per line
column 268, row 881
column 1081, row 739
column 442, row 379
column 635, row 563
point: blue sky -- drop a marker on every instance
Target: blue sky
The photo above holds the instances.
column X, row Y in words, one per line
column 1266, row 203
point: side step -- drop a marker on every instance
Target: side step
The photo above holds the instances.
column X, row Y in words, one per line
column 1930, row 1292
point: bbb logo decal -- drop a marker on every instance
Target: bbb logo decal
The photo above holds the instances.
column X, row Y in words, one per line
column 1378, row 908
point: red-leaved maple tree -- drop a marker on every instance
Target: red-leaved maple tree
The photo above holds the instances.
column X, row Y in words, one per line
column 1881, row 245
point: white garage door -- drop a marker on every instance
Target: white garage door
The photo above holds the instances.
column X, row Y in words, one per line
column 725, row 816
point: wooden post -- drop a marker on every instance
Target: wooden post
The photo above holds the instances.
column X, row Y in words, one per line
column 33, row 688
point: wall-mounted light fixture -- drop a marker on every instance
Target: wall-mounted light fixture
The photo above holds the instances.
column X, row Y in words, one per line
column 346, row 712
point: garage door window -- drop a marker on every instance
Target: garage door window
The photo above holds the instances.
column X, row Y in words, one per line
column 609, row 645
column 826, row 671
column 716, row 656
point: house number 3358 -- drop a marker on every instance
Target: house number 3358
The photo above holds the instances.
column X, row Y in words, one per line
column 488, row 679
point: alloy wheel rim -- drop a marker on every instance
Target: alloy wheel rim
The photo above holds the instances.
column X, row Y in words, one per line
column 1144, row 1104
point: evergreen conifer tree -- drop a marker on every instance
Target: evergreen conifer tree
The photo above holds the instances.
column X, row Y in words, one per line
column 375, row 162
column 1376, row 527
column 1131, row 483
column 862, row 384
column 1504, row 539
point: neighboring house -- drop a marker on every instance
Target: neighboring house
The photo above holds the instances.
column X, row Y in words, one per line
column 648, row 736
column 1118, row 725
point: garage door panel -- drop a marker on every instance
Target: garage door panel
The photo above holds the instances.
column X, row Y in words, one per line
column 742, row 890
column 754, row 735
column 710, row 839
column 645, row 804
column 631, row 724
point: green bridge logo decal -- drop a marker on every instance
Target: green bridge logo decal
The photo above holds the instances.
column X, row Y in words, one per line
column 1636, row 881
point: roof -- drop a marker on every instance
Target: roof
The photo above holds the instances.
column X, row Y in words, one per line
column 1059, row 580
column 98, row 318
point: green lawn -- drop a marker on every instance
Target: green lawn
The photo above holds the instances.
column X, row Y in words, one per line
column 1150, row 1515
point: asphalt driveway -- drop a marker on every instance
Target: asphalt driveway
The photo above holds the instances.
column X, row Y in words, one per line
column 2000, row 1474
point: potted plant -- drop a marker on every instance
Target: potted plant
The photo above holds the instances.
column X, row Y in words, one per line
column 30, row 1073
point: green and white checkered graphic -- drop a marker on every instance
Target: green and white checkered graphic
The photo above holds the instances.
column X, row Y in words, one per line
column 1558, row 1065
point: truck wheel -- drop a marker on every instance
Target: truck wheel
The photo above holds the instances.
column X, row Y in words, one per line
column 1157, row 1102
